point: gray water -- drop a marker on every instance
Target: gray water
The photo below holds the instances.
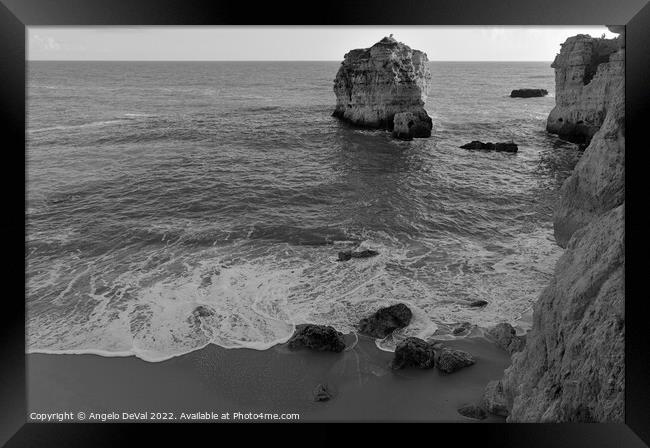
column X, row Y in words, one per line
column 158, row 187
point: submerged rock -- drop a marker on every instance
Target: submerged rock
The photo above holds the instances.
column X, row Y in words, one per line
column 506, row 337
column 349, row 254
column 414, row 352
column 473, row 411
column 528, row 93
column 374, row 84
column 316, row 337
column 410, row 125
column 202, row 311
column 386, row 320
column 449, row 360
column 462, row 328
column 501, row 147
column 322, row 392
column 587, row 70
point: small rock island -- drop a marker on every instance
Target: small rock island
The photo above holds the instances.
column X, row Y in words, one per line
column 385, row 87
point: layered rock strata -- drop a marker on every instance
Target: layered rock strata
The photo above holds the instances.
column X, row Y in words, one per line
column 589, row 73
column 375, row 84
column 572, row 366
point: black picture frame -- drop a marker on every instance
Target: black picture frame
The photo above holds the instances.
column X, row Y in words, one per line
column 16, row 15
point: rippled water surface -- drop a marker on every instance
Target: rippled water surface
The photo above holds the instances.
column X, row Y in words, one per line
column 156, row 188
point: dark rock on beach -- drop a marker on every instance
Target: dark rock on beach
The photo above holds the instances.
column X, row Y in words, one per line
column 202, row 311
column 317, row 337
column 506, row 337
column 478, row 303
column 414, row 352
column 489, row 146
column 473, row 411
column 449, row 361
column 322, row 392
column 528, row 93
column 494, row 400
column 385, row 321
column 348, row 254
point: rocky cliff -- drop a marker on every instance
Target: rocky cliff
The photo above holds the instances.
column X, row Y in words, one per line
column 375, row 84
column 572, row 367
column 588, row 74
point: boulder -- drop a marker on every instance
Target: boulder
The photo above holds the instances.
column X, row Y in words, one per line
column 478, row 303
column 386, row 320
column 528, row 93
column 449, row 360
column 410, row 125
column 500, row 147
column 414, row 352
column 506, row 337
column 349, row 254
column 322, row 393
column 374, row 84
column 473, row 411
column 316, row 337
column 494, row 400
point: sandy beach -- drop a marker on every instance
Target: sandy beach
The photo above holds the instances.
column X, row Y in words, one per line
column 278, row 380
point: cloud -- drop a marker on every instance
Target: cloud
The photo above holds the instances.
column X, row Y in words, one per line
column 45, row 43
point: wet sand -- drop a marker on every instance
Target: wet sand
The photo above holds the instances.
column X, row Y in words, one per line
column 219, row 380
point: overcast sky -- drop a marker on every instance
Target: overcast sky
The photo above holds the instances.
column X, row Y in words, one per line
column 329, row 43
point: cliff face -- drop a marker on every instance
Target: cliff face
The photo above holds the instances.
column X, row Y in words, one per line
column 572, row 367
column 588, row 73
column 374, row 84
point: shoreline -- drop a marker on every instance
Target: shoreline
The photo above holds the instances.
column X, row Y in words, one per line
column 277, row 380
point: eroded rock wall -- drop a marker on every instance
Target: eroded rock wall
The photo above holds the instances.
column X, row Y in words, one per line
column 588, row 72
column 572, row 366
column 374, row 84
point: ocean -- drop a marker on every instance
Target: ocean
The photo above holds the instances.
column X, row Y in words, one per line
column 172, row 205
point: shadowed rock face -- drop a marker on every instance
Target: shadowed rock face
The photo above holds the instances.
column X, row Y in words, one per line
column 587, row 70
column 374, row 84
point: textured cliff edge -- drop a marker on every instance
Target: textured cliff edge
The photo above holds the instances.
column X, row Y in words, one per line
column 374, row 84
column 572, row 367
column 588, row 72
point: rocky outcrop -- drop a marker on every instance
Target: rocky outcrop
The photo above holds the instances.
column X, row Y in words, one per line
column 597, row 183
column 409, row 125
column 414, row 352
column 589, row 73
column 322, row 392
column 472, row 411
column 449, row 360
column 506, row 337
column 316, row 337
column 528, row 93
column 572, row 367
column 489, row 146
column 385, row 321
column 374, row 84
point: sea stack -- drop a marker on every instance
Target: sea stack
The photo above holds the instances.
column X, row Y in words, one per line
column 385, row 87
column 588, row 74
